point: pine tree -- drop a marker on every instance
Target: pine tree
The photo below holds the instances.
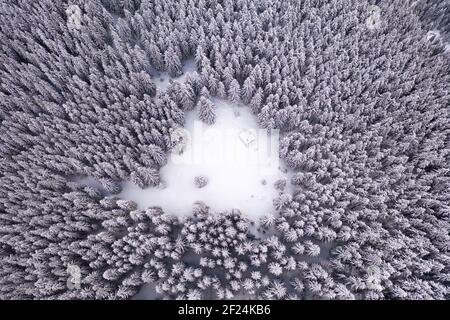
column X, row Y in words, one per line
column 200, row 181
column 157, row 154
column 206, row 111
column 234, row 91
column 248, row 90
column 173, row 63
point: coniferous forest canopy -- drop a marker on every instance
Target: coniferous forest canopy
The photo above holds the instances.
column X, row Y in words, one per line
column 359, row 89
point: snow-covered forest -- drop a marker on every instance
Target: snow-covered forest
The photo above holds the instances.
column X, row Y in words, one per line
column 95, row 96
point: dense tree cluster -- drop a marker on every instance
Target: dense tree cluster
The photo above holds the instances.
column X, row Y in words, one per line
column 364, row 114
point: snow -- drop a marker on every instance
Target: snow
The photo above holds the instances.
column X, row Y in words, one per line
column 240, row 161
column 90, row 182
column 163, row 79
column 147, row 292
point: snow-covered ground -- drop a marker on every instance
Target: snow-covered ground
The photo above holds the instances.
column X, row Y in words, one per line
column 90, row 182
column 240, row 161
column 147, row 292
column 162, row 79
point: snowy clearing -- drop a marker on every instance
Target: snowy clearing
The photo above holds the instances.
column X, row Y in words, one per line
column 240, row 161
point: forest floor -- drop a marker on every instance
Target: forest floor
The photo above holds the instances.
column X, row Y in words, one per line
column 162, row 79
